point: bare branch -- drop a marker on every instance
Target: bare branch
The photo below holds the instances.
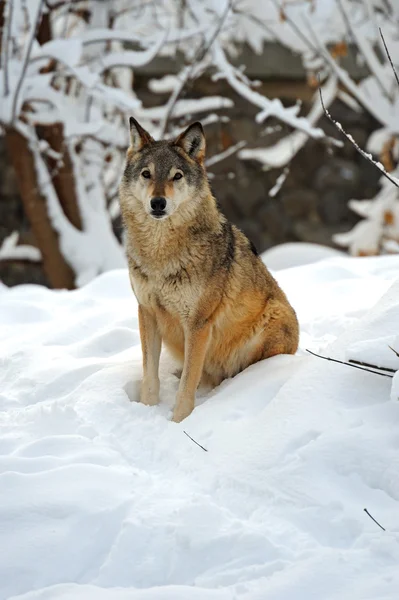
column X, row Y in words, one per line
column 187, row 72
column 225, row 154
column 6, row 44
column 26, row 58
column 346, row 80
column 367, row 50
column 365, row 155
column 389, row 57
column 364, row 364
column 348, row 364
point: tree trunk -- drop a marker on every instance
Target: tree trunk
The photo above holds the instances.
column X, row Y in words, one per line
column 62, row 175
column 59, row 273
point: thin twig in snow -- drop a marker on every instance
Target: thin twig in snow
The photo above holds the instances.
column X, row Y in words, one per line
column 342, row 362
column 395, row 352
column 189, row 436
column 371, row 517
column 350, row 139
column 364, row 364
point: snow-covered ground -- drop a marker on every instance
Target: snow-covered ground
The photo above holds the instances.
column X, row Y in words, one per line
column 102, row 498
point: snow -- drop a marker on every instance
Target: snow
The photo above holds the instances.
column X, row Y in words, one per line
column 294, row 254
column 104, row 498
column 10, row 250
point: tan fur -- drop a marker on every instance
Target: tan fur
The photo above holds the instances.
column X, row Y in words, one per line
column 216, row 321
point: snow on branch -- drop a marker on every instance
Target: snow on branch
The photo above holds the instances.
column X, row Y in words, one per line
column 225, row 154
column 280, row 154
column 269, row 108
column 10, row 250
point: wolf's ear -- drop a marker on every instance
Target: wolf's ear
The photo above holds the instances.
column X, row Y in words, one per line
column 192, row 140
column 139, row 137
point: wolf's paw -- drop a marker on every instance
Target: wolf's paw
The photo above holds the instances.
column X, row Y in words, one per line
column 149, row 396
column 149, row 400
column 181, row 412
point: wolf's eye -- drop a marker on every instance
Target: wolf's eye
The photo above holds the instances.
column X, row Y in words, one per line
column 146, row 174
column 177, row 176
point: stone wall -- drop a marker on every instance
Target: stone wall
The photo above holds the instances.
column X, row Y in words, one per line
column 312, row 203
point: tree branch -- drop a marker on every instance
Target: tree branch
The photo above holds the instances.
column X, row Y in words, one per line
column 350, row 139
column 5, row 46
column 187, row 72
column 389, row 56
column 26, row 59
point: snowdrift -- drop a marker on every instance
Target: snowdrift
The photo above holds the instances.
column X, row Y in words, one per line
column 102, row 498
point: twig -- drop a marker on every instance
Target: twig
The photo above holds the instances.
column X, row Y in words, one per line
column 6, row 44
column 352, row 141
column 366, row 49
column 394, row 351
column 342, row 362
column 345, row 79
column 189, row 436
column 188, row 72
column 279, row 182
column 389, row 57
column 225, row 154
column 26, row 59
column 371, row 517
column 364, row 364
column 297, row 29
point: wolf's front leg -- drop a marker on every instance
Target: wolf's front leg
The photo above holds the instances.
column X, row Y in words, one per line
column 195, row 346
column 151, row 347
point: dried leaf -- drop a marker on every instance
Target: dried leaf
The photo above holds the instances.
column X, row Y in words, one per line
column 312, row 81
column 386, row 155
column 339, row 49
column 225, row 139
column 389, row 218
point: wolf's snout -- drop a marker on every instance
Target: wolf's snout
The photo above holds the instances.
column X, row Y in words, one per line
column 158, row 204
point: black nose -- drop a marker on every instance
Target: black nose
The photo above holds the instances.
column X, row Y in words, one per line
column 158, row 204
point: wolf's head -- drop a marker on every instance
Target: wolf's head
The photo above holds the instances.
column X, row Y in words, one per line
column 165, row 177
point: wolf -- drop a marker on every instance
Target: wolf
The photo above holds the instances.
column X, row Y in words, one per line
column 201, row 288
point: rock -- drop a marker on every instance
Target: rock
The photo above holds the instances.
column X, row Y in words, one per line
column 273, row 220
column 337, row 172
column 317, row 233
column 300, row 203
column 333, row 206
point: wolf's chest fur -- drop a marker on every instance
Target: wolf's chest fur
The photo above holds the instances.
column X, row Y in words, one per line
column 169, row 285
